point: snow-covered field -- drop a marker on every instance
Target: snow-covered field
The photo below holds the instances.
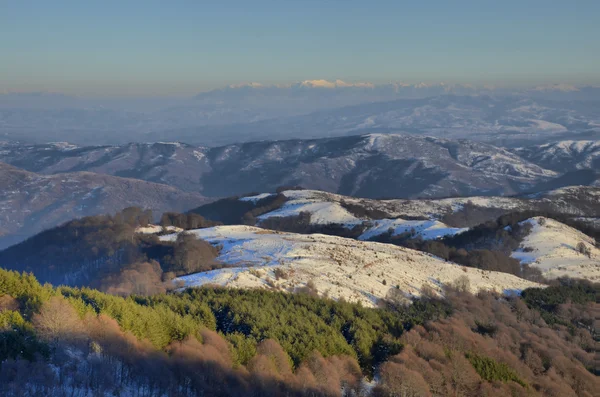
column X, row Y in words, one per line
column 338, row 267
column 552, row 247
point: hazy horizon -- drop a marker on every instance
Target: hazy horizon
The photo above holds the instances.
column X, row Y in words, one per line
column 559, row 86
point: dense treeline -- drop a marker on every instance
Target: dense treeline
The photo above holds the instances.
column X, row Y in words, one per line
column 470, row 215
column 212, row 341
column 362, row 211
column 185, row 221
column 233, row 211
column 106, row 252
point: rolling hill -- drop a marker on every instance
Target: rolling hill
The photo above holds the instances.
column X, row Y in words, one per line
column 333, row 266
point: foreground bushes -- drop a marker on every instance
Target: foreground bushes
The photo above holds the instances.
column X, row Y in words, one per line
column 212, row 341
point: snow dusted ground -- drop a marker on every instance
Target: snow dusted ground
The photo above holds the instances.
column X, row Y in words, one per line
column 154, row 229
column 357, row 271
column 326, row 208
column 322, row 209
column 552, row 247
column 315, row 200
column 428, row 230
column 257, row 197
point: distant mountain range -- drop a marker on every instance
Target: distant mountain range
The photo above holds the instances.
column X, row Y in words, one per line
column 309, row 109
column 501, row 120
column 375, row 165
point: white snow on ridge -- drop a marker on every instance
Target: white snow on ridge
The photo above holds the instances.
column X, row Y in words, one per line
column 322, row 210
column 427, row 230
column 326, row 208
column 154, row 229
column 552, row 247
column 256, row 198
column 357, row 271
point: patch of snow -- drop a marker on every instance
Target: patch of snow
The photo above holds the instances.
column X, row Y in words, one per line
column 257, row 197
column 155, row 229
column 198, row 155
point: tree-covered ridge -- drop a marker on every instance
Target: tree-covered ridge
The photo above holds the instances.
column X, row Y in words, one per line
column 234, row 342
column 107, row 252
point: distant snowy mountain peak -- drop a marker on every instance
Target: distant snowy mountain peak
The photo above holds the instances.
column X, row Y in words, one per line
column 334, row 84
column 249, row 85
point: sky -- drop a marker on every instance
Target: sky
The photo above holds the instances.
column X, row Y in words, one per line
column 153, row 48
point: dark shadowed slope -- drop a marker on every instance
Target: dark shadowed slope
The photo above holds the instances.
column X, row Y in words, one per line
column 30, row 203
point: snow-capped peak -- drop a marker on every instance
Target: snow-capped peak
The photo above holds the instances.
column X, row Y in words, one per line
column 321, row 83
column 250, row 85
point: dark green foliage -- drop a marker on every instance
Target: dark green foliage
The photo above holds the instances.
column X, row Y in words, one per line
column 548, row 300
column 282, row 189
column 471, row 215
column 491, row 370
column 17, row 338
column 26, row 289
column 229, row 210
column 233, row 211
column 362, row 211
column 301, row 323
column 152, row 318
column 301, row 223
column 186, row 221
column 504, row 234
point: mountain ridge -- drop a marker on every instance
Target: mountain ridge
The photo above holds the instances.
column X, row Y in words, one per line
column 373, row 165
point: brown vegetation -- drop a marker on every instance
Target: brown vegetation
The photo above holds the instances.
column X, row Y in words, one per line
column 517, row 353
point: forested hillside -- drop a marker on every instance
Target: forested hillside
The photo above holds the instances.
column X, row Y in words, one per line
column 221, row 342
column 109, row 252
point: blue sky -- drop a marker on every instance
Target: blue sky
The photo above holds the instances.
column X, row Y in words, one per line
column 182, row 47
